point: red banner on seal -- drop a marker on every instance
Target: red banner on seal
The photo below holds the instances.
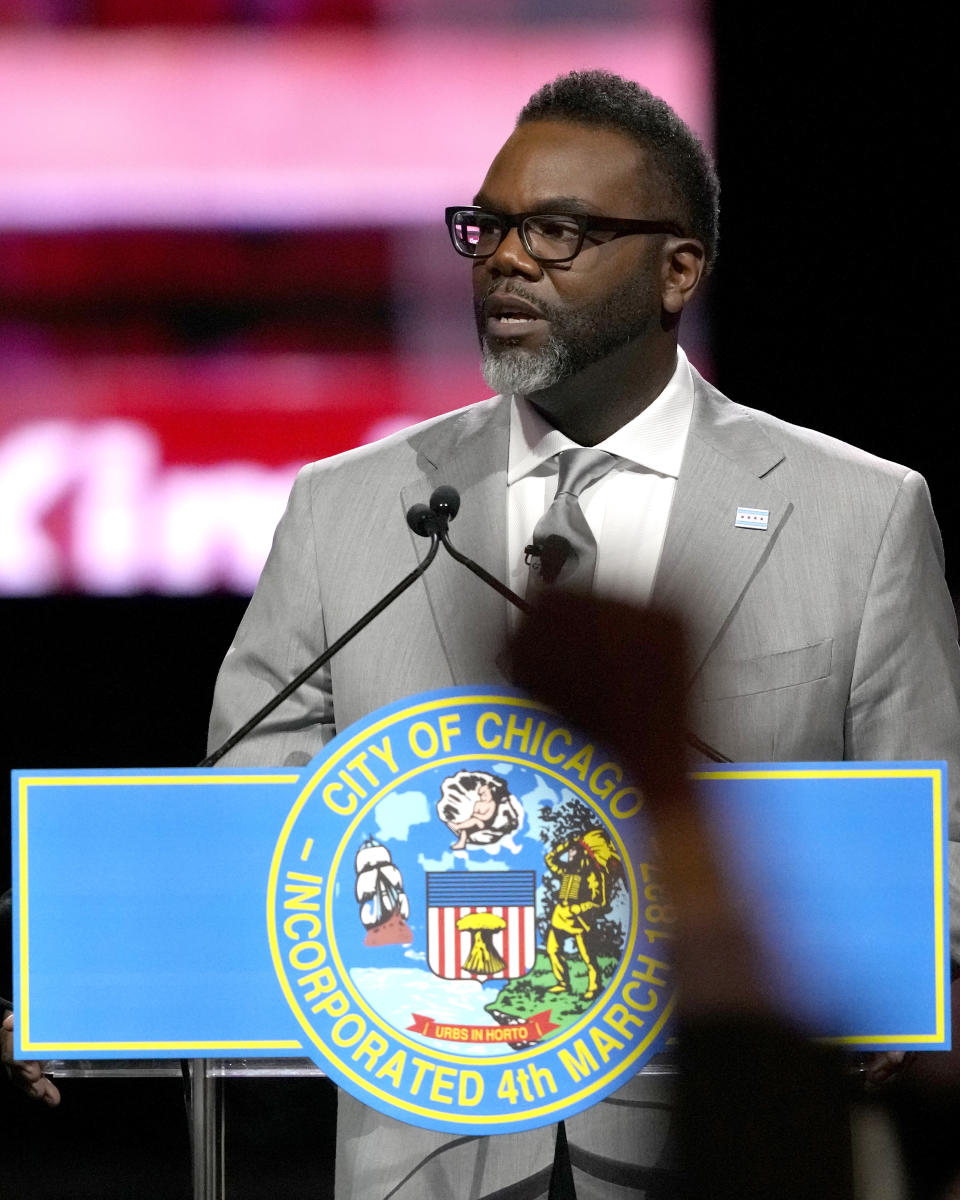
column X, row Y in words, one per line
column 533, row 1029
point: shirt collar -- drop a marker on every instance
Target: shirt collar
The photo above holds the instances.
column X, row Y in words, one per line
column 654, row 439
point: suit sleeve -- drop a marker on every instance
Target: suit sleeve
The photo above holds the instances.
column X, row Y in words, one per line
column 281, row 632
column 905, row 690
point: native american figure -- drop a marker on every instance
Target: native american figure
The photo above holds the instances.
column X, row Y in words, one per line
column 587, row 866
column 478, row 808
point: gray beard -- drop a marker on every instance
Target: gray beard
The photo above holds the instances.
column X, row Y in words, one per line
column 578, row 339
column 513, row 370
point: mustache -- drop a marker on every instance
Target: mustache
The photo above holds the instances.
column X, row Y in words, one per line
column 520, row 292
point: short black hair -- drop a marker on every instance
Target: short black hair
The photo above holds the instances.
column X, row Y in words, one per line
column 604, row 100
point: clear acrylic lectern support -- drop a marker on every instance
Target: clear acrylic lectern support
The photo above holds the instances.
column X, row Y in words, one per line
column 206, row 1129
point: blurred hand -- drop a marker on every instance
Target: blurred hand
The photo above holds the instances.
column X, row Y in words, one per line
column 27, row 1076
column 884, row 1066
column 617, row 672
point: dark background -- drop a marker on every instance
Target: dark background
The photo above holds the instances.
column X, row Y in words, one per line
column 830, row 307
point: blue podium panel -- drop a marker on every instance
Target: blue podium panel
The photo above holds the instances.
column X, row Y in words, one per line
column 456, row 909
column 842, row 870
column 141, row 920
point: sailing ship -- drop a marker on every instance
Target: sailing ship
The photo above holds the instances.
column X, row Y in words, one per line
column 384, row 906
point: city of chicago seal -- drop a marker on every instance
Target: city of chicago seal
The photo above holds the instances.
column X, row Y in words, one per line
column 465, row 915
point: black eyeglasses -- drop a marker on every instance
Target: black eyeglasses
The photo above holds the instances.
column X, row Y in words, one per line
column 546, row 237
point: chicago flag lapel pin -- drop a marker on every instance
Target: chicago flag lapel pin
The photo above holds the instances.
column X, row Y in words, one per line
column 752, row 518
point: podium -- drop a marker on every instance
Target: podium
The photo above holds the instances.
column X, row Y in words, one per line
column 455, row 912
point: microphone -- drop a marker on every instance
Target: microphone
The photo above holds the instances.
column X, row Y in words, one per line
column 445, row 502
column 421, row 520
column 548, row 556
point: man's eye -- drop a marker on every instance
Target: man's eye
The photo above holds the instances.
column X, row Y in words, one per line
column 555, row 228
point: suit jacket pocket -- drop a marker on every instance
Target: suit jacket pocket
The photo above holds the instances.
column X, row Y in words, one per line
column 748, row 676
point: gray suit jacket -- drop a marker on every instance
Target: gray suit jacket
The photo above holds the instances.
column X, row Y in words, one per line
column 829, row 635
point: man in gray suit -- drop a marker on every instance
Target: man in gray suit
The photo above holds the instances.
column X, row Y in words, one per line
column 809, row 573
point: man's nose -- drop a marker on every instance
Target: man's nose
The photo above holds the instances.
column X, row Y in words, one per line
column 511, row 257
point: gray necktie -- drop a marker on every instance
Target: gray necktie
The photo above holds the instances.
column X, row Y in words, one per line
column 566, row 549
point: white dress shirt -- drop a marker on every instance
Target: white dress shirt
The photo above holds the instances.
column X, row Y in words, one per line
column 627, row 510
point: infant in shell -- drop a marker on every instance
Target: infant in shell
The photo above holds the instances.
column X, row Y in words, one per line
column 478, row 808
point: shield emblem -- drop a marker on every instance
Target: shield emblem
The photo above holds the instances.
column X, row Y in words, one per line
column 481, row 924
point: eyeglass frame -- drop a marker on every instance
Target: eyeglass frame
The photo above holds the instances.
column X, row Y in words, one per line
column 586, row 223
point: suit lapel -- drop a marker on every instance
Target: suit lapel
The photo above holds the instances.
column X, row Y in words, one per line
column 707, row 562
column 469, row 453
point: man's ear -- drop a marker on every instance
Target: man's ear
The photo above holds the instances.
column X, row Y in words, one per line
column 684, row 263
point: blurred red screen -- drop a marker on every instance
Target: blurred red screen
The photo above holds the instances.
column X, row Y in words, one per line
column 222, row 255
